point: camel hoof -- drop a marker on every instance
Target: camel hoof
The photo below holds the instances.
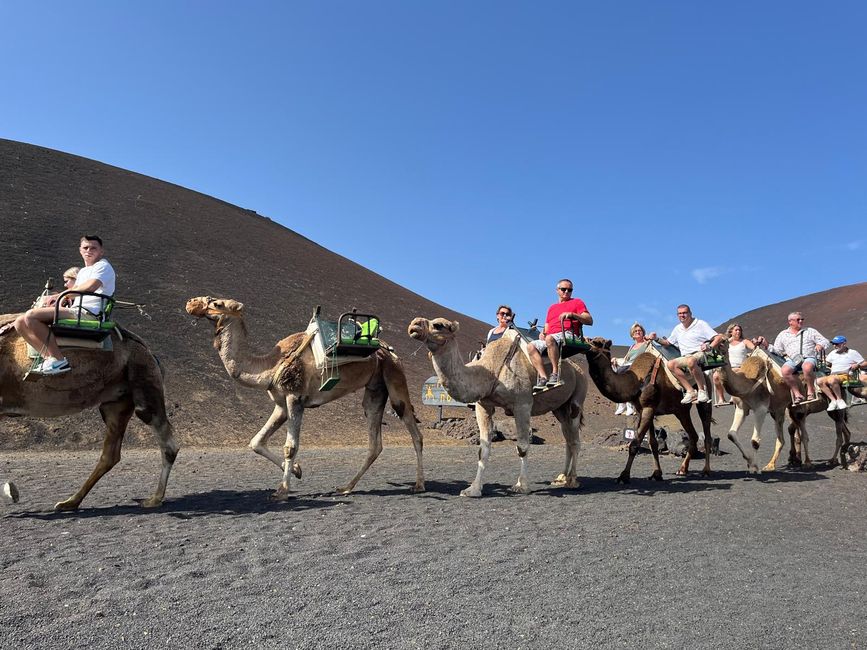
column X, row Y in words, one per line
column 296, row 470
column 808, row 465
column 517, row 488
column 623, row 478
column 418, row 488
column 10, row 492
column 280, row 494
column 568, row 482
column 346, row 489
column 681, row 472
column 769, row 468
column 471, row 491
column 152, row 502
column 656, row 476
column 66, row 506
column 753, row 469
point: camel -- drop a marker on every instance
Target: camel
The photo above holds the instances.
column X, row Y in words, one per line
column 121, row 382
column 289, row 375
column 757, row 388
column 798, row 429
column 503, row 377
column 648, row 388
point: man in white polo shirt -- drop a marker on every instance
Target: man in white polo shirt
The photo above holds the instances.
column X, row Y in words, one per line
column 97, row 276
column 693, row 337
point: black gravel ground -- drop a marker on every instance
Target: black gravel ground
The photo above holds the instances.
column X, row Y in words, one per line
column 730, row 561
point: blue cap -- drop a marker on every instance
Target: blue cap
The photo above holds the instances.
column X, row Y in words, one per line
column 838, row 339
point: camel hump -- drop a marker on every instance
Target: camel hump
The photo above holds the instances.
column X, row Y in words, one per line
column 754, row 368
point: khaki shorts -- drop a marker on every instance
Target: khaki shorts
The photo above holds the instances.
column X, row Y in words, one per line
column 682, row 361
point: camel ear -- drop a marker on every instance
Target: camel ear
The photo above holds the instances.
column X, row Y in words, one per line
column 607, row 345
column 228, row 305
column 455, row 326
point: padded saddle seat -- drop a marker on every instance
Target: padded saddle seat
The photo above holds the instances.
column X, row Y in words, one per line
column 85, row 325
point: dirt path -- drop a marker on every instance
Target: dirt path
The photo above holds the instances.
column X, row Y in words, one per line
column 729, row 561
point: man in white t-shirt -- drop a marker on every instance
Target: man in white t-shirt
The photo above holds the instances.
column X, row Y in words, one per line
column 693, row 337
column 842, row 360
column 96, row 276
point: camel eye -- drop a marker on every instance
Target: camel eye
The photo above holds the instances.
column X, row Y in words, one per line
column 438, row 326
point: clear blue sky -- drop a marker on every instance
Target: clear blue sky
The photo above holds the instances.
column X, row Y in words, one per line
column 476, row 152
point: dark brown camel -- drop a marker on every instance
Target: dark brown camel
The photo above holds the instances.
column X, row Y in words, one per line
column 646, row 385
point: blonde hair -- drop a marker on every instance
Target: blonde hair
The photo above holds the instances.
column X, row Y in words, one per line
column 731, row 328
column 637, row 326
column 72, row 271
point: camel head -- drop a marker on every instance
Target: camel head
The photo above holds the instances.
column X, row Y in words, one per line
column 601, row 344
column 434, row 333
column 215, row 310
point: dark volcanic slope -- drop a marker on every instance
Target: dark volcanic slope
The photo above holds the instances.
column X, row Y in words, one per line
column 168, row 244
column 837, row 311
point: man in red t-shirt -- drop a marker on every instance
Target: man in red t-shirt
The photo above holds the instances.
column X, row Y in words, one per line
column 551, row 336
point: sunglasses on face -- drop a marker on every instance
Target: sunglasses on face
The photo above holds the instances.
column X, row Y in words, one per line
column 503, row 313
column 683, row 313
column 565, row 289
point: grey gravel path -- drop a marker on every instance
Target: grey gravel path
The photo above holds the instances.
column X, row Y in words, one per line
column 729, row 561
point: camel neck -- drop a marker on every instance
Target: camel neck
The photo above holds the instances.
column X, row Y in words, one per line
column 466, row 383
column 253, row 370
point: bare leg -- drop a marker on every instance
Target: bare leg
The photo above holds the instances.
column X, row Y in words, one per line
column 680, row 374
column 116, row 416
column 536, row 360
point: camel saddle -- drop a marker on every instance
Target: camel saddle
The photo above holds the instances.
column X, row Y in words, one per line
column 352, row 337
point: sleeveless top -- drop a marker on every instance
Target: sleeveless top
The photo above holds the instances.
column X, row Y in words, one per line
column 737, row 354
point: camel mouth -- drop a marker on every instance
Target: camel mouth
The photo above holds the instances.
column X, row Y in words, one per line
column 417, row 329
column 197, row 307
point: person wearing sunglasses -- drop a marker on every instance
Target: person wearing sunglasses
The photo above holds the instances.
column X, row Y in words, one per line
column 575, row 311
column 693, row 337
column 800, row 346
column 504, row 321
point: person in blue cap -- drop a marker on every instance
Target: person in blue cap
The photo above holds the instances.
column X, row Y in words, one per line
column 843, row 361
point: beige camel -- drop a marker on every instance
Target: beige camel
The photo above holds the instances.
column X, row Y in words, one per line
column 756, row 388
column 646, row 385
column 504, row 377
column 124, row 381
column 288, row 373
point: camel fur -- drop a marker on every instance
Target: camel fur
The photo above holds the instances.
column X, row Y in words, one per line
column 289, row 375
column 504, row 377
column 120, row 382
column 649, row 389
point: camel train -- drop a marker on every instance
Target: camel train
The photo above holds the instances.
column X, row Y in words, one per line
column 122, row 377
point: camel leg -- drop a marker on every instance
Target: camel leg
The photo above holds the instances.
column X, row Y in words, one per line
column 295, row 414
column 484, row 418
column 741, row 411
column 644, row 423
column 842, row 441
column 116, row 416
column 522, row 427
column 779, row 443
column 168, row 452
column 692, row 448
column 374, row 406
column 705, row 414
column 259, row 442
column 571, row 427
column 398, row 393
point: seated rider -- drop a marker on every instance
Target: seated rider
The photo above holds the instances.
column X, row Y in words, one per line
column 551, row 335
column 842, row 360
column 96, row 276
column 739, row 350
column 800, row 346
column 504, row 321
column 638, row 347
column 693, row 337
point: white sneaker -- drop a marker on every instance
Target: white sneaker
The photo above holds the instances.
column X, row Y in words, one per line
column 689, row 398
column 53, row 366
column 620, row 409
column 703, row 396
column 841, row 405
column 630, row 410
column 832, row 405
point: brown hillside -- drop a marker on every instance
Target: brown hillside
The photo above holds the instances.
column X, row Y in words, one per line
column 168, row 244
column 837, row 311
